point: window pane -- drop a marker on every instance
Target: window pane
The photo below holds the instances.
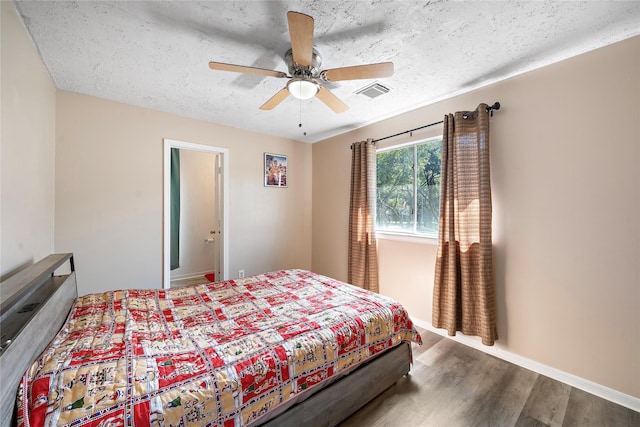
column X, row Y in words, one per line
column 429, row 156
column 394, row 196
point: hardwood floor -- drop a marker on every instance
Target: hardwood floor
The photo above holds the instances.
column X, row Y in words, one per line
column 452, row 385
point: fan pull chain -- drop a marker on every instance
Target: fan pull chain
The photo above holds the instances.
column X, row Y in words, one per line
column 300, row 123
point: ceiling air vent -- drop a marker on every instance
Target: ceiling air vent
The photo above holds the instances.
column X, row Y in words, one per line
column 373, row 90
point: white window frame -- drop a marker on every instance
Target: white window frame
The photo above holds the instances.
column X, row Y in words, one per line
column 409, row 236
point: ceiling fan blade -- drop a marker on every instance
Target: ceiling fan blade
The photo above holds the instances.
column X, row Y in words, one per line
column 275, row 99
column 332, row 101
column 370, row 71
column 301, row 33
column 221, row 66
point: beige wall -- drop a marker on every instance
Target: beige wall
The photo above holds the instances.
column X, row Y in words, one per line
column 109, row 193
column 26, row 150
column 565, row 176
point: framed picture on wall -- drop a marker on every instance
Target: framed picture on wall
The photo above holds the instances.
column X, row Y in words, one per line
column 275, row 170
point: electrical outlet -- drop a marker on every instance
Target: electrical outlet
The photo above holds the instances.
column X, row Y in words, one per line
column 241, row 274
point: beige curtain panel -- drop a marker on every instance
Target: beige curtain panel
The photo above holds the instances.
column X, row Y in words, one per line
column 363, row 256
column 463, row 292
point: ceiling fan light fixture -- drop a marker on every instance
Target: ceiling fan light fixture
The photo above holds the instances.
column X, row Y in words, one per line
column 303, row 88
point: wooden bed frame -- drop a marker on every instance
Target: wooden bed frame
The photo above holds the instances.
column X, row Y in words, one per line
column 35, row 304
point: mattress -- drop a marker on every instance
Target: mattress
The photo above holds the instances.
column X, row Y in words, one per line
column 224, row 353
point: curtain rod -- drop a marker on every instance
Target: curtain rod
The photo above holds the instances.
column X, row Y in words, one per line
column 495, row 106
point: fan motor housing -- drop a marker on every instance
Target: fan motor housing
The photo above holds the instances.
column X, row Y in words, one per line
column 296, row 70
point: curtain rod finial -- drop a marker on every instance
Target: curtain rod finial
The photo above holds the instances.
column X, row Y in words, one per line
column 495, row 106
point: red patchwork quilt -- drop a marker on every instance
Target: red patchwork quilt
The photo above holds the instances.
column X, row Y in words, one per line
column 222, row 353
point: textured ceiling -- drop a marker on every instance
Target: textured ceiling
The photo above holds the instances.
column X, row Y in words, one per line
column 155, row 54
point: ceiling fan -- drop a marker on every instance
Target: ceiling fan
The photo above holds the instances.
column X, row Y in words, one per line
column 304, row 75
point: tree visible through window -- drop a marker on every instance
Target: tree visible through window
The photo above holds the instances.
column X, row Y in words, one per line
column 408, row 188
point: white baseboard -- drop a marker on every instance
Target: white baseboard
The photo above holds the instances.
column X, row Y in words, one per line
column 574, row 381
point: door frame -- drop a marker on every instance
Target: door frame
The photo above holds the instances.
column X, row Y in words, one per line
column 168, row 144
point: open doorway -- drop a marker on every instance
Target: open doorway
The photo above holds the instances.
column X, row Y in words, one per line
column 200, row 238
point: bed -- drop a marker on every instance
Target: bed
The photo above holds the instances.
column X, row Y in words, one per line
column 288, row 347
